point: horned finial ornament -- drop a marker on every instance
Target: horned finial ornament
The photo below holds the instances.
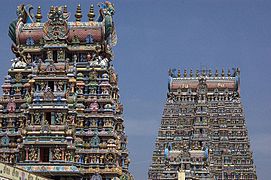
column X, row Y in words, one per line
column 91, row 13
column 38, row 15
column 78, row 14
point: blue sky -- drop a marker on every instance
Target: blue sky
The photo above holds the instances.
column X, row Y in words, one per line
column 155, row 35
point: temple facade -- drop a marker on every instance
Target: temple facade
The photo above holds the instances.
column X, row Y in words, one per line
column 60, row 113
column 203, row 132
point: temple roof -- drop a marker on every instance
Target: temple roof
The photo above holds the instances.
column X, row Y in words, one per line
column 80, row 30
column 230, row 81
column 57, row 30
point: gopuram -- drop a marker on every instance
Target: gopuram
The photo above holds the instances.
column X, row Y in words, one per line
column 203, row 134
column 60, row 113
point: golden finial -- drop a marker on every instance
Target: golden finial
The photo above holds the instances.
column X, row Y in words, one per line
column 51, row 10
column 91, row 13
column 65, row 9
column 216, row 73
column 191, row 73
column 229, row 72
column 78, row 14
column 223, row 73
column 38, row 15
column 179, row 73
column 185, row 73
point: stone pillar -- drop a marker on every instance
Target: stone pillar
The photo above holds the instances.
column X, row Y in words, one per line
column 52, row 118
column 26, row 153
column 63, row 154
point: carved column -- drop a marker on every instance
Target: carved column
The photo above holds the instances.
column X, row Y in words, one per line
column 26, row 153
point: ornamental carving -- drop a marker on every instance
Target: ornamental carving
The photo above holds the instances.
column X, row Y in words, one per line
column 124, row 177
column 95, row 141
column 4, row 140
column 51, row 68
column 57, row 154
column 202, row 87
column 68, row 156
column 48, row 94
column 59, row 118
column 33, row 154
column 11, row 106
column 38, row 118
column 18, row 77
column 96, row 177
column 110, row 158
column 94, row 107
column 56, row 28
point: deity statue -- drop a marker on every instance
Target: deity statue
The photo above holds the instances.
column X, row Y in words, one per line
column 60, row 86
column 58, row 119
column 17, row 63
column 11, row 158
column 68, row 156
column 37, row 118
column 76, row 158
column 33, row 154
column 57, row 154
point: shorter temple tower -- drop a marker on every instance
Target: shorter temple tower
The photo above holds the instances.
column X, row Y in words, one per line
column 203, row 133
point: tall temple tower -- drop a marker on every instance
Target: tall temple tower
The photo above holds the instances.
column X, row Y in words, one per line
column 60, row 113
column 203, row 133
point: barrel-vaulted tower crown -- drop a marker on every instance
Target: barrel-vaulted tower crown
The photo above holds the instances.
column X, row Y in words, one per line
column 214, row 82
column 99, row 35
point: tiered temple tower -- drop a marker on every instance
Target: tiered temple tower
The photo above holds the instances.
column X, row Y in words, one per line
column 203, row 133
column 60, row 113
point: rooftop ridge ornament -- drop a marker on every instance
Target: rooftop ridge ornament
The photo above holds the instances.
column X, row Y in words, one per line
column 185, row 73
column 38, row 16
column 191, row 73
column 91, row 13
column 107, row 11
column 65, row 9
column 24, row 16
column 179, row 73
column 56, row 28
column 174, row 73
column 24, row 13
column 223, row 72
column 78, row 14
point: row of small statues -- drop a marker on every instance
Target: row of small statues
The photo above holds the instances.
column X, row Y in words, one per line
column 23, row 61
column 39, row 118
column 62, row 155
column 172, row 73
